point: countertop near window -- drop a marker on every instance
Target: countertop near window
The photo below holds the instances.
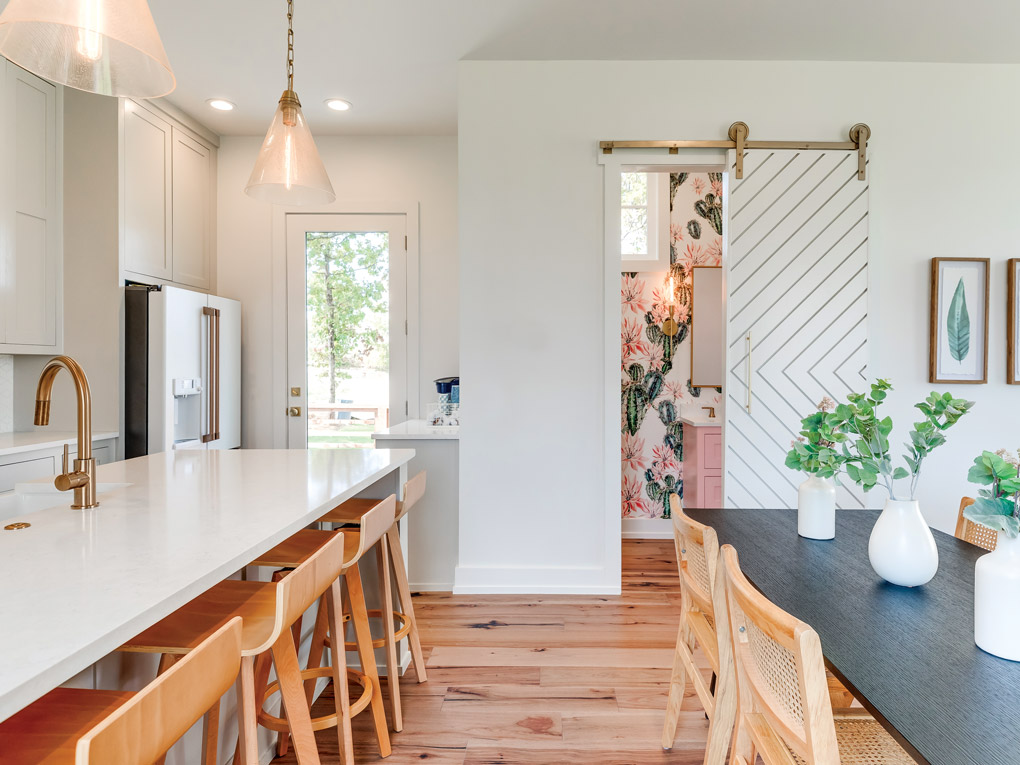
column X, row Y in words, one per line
column 33, row 440
column 415, row 429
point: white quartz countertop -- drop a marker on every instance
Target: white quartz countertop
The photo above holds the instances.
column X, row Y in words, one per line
column 700, row 422
column 31, row 440
column 415, row 429
column 77, row 584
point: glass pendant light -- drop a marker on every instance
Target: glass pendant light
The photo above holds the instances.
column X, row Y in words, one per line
column 110, row 47
column 288, row 170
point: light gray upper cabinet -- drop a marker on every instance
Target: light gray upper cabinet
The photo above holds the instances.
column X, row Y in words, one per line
column 31, row 296
column 168, row 181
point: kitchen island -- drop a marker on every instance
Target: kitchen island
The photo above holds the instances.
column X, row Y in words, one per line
column 76, row 584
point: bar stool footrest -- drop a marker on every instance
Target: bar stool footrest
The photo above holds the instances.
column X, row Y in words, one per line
column 399, row 633
column 280, row 725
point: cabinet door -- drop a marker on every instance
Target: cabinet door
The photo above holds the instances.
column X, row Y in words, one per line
column 31, row 268
column 192, row 232
column 146, row 176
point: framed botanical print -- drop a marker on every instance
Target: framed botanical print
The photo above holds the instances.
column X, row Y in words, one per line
column 958, row 332
column 1013, row 321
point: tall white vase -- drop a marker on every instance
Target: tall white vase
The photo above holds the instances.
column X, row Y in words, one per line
column 997, row 599
column 816, row 508
column 902, row 549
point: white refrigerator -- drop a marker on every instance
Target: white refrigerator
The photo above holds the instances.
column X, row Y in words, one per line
column 182, row 365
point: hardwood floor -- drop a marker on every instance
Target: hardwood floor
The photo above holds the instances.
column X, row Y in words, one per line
column 544, row 679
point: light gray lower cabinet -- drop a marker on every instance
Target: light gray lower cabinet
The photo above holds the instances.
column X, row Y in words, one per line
column 42, row 463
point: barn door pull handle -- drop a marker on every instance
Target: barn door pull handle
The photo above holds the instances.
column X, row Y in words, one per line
column 750, row 371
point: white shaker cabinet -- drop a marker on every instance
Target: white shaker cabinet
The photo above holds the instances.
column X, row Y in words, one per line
column 146, row 192
column 31, row 295
column 168, row 181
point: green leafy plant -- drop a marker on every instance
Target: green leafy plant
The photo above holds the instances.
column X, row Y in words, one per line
column 998, row 505
column 853, row 439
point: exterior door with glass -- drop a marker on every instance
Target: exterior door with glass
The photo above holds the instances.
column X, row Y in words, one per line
column 347, row 358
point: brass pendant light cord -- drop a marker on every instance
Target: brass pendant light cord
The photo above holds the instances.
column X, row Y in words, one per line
column 290, row 44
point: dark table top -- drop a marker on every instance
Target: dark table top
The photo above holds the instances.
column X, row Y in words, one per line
column 908, row 653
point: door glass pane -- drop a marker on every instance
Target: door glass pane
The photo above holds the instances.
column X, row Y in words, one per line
column 348, row 337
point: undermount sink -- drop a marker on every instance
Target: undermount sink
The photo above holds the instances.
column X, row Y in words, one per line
column 33, row 497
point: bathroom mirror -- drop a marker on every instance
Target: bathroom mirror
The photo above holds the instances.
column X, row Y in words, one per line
column 706, row 327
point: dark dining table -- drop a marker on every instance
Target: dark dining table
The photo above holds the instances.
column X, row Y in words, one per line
column 907, row 653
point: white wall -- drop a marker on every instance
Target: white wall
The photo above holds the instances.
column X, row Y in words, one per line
column 373, row 168
column 531, row 238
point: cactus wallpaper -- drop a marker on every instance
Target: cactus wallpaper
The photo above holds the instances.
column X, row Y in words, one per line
column 655, row 369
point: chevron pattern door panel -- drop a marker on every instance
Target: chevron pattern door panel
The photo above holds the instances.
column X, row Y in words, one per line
column 797, row 299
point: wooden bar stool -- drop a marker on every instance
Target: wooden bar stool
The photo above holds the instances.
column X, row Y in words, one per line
column 85, row 727
column 294, row 551
column 268, row 609
column 390, row 558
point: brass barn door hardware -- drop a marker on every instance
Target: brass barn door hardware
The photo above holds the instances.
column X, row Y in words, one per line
column 738, row 132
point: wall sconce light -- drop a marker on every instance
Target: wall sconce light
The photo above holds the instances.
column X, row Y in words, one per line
column 670, row 327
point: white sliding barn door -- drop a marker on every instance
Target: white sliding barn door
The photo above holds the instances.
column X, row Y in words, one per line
column 797, row 304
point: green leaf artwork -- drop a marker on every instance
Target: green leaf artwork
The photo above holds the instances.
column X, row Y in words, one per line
column 958, row 324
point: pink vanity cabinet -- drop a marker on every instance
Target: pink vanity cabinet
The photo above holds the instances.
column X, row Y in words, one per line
column 702, row 465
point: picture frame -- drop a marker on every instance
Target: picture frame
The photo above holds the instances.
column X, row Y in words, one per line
column 1013, row 321
column 958, row 323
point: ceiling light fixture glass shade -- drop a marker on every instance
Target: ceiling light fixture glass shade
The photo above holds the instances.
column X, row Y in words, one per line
column 288, row 170
column 110, row 47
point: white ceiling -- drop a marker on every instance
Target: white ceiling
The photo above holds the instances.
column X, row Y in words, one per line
column 396, row 60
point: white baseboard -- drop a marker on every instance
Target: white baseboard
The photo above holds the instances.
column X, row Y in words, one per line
column 647, row 528
column 492, row 580
column 431, row 587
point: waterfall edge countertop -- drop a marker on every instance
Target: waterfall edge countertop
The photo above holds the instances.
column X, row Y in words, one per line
column 77, row 583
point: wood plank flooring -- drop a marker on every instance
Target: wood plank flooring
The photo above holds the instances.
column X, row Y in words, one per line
column 543, row 679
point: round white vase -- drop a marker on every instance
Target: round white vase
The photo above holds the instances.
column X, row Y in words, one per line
column 902, row 549
column 816, row 508
column 997, row 599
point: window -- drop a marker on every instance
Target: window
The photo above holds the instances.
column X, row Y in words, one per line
column 643, row 204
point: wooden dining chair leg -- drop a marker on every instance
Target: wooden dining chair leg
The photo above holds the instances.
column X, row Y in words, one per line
column 288, row 674
column 363, row 637
column 341, row 689
column 396, row 555
column 677, row 686
column 247, row 752
column 724, row 714
column 382, row 558
column 211, row 735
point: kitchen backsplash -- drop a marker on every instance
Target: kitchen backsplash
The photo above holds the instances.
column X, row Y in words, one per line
column 6, row 394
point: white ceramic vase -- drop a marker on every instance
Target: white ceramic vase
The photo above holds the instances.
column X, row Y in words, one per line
column 997, row 599
column 902, row 549
column 816, row 508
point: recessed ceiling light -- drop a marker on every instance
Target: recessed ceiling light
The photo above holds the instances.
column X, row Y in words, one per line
column 220, row 104
column 338, row 104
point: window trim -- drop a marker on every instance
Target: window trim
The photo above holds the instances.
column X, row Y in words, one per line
column 658, row 225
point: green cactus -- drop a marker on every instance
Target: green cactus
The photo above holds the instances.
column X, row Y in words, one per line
column 653, row 384
column 667, row 412
column 710, row 208
column 715, row 177
column 676, row 180
column 696, row 392
column 635, row 401
column 694, row 229
column 636, row 372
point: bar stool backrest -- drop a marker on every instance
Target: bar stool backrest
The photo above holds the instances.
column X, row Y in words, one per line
column 697, row 554
column 975, row 533
column 147, row 725
column 781, row 685
column 413, row 491
column 306, row 583
column 374, row 524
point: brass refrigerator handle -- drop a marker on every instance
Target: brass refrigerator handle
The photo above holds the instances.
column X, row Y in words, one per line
column 212, row 416
column 750, row 371
column 216, row 392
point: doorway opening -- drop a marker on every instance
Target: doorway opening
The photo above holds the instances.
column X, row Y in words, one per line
column 347, row 327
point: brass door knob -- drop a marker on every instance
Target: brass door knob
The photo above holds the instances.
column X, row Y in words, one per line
column 294, row 411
